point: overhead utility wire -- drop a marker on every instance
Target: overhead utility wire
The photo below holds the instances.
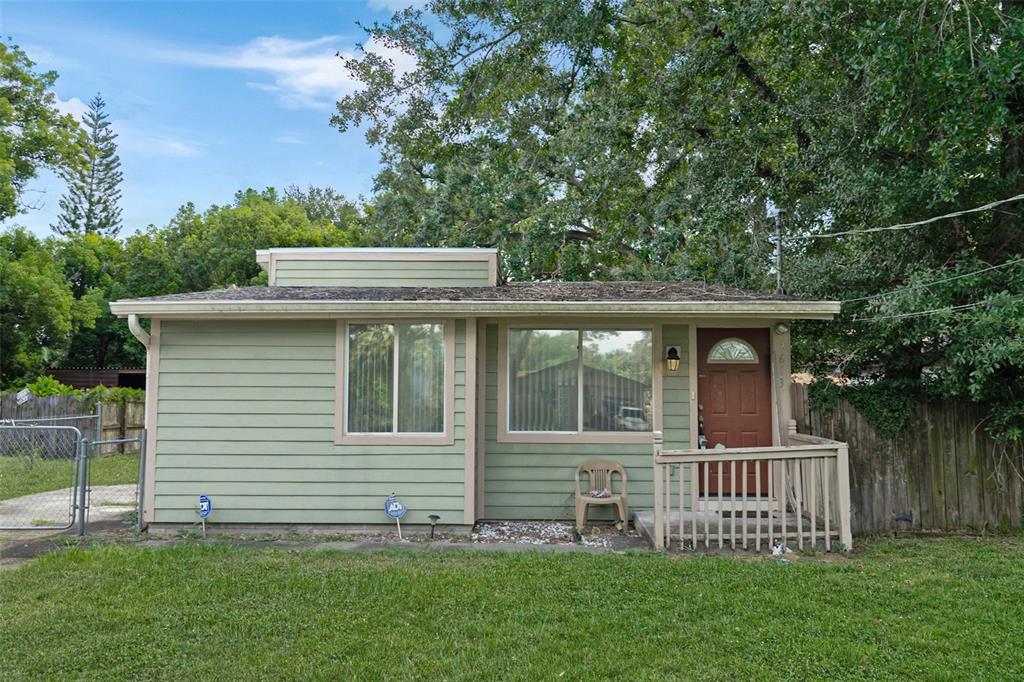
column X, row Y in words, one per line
column 949, row 309
column 938, row 281
column 907, row 226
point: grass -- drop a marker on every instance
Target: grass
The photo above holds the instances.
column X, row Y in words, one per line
column 929, row 608
column 19, row 477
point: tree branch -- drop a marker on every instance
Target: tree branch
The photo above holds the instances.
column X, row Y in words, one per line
column 747, row 70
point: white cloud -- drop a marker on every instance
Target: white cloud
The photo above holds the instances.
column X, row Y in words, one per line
column 404, row 62
column 138, row 140
column 303, row 73
column 47, row 58
column 155, row 143
column 394, row 5
column 289, row 139
column 73, row 107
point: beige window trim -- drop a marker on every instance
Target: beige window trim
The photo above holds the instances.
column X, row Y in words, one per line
column 506, row 436
column 445, row 437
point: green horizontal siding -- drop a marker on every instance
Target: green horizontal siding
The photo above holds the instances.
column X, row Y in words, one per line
column 382, row 272
column 302, row 516
column 274, row 455
column 246, row 416
column 536, row 480
column 231, row 474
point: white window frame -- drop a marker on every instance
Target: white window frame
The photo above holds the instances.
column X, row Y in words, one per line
column 342, row 436
column 504, row 435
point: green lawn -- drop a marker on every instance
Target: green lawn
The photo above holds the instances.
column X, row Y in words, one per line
column 18, row 477
column 934, row 609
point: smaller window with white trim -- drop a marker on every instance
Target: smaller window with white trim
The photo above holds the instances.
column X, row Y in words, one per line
column 732, row 351
column 395, row 380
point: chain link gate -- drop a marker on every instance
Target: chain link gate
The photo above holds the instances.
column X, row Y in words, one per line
column 108, row 495
column 54, row 477
column 41, row 471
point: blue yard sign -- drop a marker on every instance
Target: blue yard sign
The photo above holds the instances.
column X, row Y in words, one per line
column 205, row 506
column 394, row 508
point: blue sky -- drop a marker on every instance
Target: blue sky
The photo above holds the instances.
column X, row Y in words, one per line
column 207, row 97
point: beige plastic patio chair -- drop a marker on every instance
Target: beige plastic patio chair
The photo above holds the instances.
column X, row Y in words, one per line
column 599, row 477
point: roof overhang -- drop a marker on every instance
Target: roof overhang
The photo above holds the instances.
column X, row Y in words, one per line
column 773, row 310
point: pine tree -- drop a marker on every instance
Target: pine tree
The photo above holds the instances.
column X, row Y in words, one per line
column 90, row 203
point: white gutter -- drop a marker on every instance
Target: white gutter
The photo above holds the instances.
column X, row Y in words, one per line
column 136, row 329
column 321, row 309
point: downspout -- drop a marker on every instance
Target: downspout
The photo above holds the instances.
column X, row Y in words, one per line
column 136, row 329
column 143, row 336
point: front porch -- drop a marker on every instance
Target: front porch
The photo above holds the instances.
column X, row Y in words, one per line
column 797, row 494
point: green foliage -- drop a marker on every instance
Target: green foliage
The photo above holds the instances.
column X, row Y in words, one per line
column 886, row 403
column 823, row 395
column 38, row 311
column 94, row 185
column 115, row 394
column 46, row 387
column 217, row 248
column 96, row 266
column 33, row 133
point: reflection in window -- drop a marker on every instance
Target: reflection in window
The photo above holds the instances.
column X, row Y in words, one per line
column 545, row 388
column 732, row 350
column 386, row 357
column 616, row 380
column 542, row 379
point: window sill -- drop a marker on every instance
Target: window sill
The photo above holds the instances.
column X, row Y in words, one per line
column 394, row 439
column 584, row 437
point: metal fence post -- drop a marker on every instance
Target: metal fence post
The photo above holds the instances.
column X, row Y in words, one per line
column 83, row 482
column 139, row 493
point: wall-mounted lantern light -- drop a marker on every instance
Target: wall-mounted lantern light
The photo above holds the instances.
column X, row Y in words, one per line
column 672, row 358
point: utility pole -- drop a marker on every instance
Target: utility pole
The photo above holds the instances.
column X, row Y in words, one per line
column 778, row 250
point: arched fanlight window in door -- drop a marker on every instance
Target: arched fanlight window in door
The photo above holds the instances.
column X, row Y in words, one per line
column 732, row 351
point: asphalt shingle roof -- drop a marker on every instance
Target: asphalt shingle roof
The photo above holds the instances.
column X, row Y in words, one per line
column 517, row 292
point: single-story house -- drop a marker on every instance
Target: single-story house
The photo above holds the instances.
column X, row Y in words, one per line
column 360, row 372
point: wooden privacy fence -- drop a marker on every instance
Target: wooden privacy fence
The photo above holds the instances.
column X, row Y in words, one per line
column 941, row 472
column 43, row 408
column 118, row 420
column 121, row 421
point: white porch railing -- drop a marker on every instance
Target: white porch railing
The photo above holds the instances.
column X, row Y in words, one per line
column 797, row 494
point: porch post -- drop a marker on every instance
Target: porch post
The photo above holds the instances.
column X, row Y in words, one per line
column 843, row 485
column 659, row 494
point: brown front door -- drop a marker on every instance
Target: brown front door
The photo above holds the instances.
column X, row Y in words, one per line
column 734, row 398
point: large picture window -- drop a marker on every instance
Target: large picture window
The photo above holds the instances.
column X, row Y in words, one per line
column 395, row 381
column 579, row 380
